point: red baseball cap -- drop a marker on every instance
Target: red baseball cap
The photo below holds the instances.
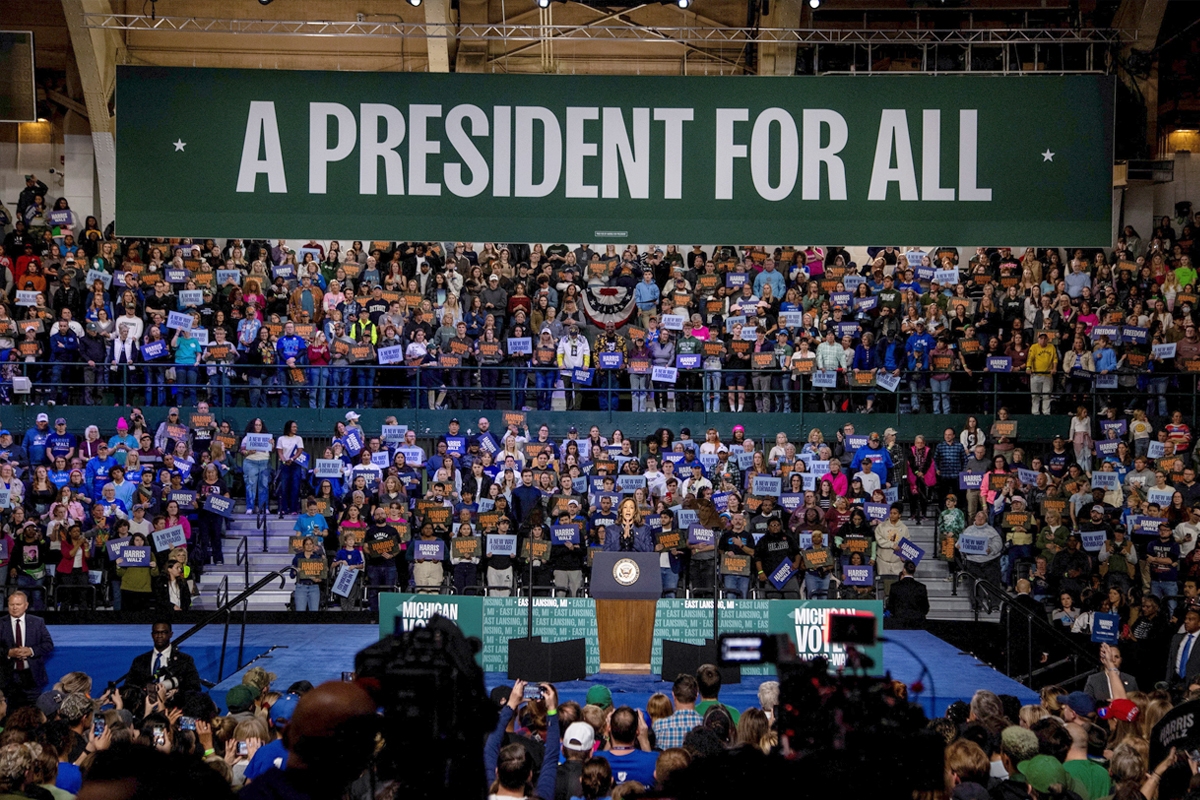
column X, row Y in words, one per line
column 1121, row 709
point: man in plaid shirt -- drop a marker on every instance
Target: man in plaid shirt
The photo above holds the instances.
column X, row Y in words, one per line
column 670, row 731
column 949, row 459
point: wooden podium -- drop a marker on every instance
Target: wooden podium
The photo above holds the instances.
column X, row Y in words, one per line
column 626, row 588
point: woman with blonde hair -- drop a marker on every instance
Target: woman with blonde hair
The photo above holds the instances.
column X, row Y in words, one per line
column 752, row 728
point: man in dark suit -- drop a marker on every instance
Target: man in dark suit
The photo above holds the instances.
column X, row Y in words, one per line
column 1183, row 659
column 1099, row 684
column 26, row 644
column 164, row 664
column 908, row 601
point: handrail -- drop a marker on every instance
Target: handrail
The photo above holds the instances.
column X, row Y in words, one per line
column 1032, row 620
column 260, row 522
column 243, row 558
column 226, row 610
column 223, row 591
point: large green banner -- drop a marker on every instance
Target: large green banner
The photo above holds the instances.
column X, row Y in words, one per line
column 495, row 620
column 805, row 621
column 596, row 159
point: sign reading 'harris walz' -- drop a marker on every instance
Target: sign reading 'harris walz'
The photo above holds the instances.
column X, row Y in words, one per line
column 590, row 158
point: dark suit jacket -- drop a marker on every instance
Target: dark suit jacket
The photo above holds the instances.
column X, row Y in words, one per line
column 36, row 637
column 643, row 541
column 1193, row 664
column 1097, row 685
column 909, row 603
column 181, row 665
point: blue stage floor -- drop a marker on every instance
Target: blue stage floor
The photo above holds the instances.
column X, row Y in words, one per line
column 320, row 653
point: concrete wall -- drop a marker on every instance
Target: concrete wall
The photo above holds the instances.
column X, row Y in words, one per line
column 1144, row 204
column 36, row 148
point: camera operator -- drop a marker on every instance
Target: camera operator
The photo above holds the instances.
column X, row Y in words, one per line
column 511, row 765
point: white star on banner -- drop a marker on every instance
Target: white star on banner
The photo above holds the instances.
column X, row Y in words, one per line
column 1047, row 156
column 179, row 145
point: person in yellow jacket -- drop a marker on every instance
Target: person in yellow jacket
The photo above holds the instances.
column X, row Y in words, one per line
column 1041, row 364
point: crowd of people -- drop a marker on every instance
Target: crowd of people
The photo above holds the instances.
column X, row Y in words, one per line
column 96, row 319
column 157, row 734
column 1109, row 507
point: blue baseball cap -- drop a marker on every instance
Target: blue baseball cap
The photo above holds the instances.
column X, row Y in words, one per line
column 283, row 708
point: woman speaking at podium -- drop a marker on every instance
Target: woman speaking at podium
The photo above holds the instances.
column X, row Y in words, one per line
column 628, row 534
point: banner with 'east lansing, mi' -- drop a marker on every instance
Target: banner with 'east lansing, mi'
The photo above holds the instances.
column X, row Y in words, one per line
column 851, row 161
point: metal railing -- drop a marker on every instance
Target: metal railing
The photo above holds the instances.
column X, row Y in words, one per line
column 360, row 386
column 1077, row 656
column 243, row 558
column 226, row 610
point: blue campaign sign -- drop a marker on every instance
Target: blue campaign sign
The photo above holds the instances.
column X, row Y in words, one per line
column 686, row 517
column 664, row 375
column 818, row 468
column 970, row 480
column 973, row 545
column 1156, row 450
column 1114, row 428
column 946, row 277
column 115, row 546
column 891, row 495
column 839, row 299
column 579, row 485
column 430, row 550
column 328, row 468
column 343, row 584
column 791, row 500
column 791, row 319
column 1106, row 628
column 766, row 486
column 688, row 361
column 520, row 346
column 562, row 534
column 226, row 275
column 456, row 445
column 721, row 501
column 847, row 329
column 186, row 498
column 1160, row 497
column 612, row 360
column 1106, row 447
column 175, row 275
column 781, row 574
column 876, row 511
column 744, row 459
column 136, row 556
column 582, row 376
column 1027, row 476
column 859, row 575
column 502, row 544
column 733, row 321
column 852, row 282
column 258, row 442
column 630, row 483
column 217, row 504
column 999, row 364
column 1107, row 480
column 381, row 459
column 735, row 280
column 152, row 351
column 179, row 321
column 824, row 379
column 393, row 434
column 1093, row 541
column 390, row 355
column 866, row 303
column 1106, row 381
column 1134, row 335
column 699, row 535
column 168, row 538
column 1113, row 332
column 856, row 440
column 803, row 540
column 887, row 381
column 909, row 551
column 353, row 442
column 1143, row 525
column 924, row 273
column 286, row 271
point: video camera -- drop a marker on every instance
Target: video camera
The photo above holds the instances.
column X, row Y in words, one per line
column 436, row 711
column 844, row 731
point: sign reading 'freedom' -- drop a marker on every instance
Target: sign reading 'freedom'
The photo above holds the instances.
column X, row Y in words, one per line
column 574, row 158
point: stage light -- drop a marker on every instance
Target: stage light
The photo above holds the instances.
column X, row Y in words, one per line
column 543, row 3
column 814, row 4
column 260, row 2
column 684, row 3
column 414, row 3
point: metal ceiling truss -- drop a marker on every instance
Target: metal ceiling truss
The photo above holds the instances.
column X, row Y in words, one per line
column 687, row 35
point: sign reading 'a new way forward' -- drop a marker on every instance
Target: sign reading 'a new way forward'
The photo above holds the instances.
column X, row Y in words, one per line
column 595, row 158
